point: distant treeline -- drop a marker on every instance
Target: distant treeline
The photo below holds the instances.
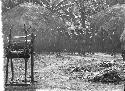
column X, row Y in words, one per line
column 81, row 43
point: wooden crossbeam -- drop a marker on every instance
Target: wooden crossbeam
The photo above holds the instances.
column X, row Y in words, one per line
column 19, row 84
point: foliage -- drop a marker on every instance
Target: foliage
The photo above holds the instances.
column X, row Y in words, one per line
column 37, row 17
column 80, row 21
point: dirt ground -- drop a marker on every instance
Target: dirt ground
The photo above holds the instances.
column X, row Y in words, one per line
column 51, row 74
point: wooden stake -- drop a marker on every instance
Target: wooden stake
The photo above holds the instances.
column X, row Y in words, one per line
column 7, row 71
column 32, row 59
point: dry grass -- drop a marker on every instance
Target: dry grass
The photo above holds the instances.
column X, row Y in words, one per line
column 50, row 72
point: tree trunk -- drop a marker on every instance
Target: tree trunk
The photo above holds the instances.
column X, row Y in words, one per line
column 82, row 11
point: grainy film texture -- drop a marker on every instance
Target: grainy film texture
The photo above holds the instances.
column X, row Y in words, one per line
column 64, row 45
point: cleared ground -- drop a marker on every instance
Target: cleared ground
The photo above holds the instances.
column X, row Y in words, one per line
column 54, row 73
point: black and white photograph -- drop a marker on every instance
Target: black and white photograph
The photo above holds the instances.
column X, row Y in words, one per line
column 63, row 45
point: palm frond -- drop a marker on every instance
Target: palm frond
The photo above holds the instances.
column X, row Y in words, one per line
column 65, row 6
column 54, row 2
column 69, row 13
column 60, row 3
column 105, row 18
column 76, row 1
column 64, row 16
column 45, row 2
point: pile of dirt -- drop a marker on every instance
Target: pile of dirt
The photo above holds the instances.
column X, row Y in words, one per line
column 108, row 77
column 104, row 72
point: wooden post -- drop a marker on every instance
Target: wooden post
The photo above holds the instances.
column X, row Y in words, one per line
column 7, row 71
column 10, row 38
column 25, row 34
column 8, row 53
column 12, row 70
column 25, row 49
column 32, row 59
column 26, row 69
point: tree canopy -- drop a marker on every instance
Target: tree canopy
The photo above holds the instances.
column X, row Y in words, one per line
column 67, row 24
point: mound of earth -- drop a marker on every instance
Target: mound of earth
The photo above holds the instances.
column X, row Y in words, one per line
column 108, row 77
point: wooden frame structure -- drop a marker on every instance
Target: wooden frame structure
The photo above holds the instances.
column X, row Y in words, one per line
column 23, row 49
